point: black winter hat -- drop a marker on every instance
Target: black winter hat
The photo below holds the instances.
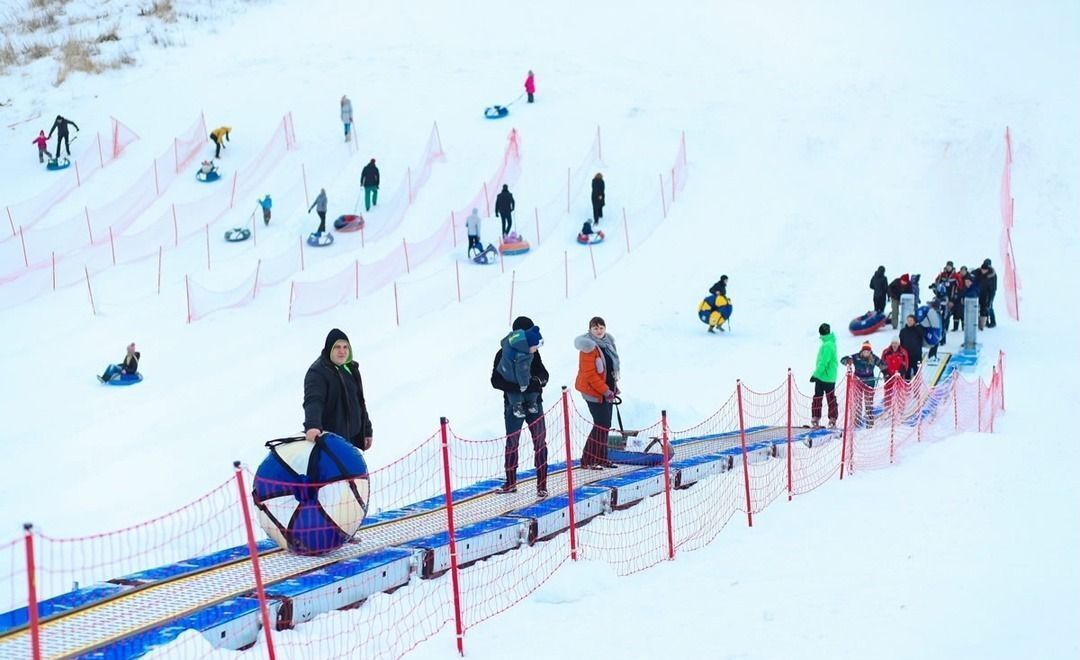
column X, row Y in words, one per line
column 332, row 338
column 986, row 263
column 522, row 323
column 824, row 329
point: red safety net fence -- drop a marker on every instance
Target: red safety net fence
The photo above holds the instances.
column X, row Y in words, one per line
column 311, row 297
column 499, row 543
column 96, row 154
column 346, row 284
column 1009, row 279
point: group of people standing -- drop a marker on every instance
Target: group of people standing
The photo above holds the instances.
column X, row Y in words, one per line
column 949, row 288
column 334, row 395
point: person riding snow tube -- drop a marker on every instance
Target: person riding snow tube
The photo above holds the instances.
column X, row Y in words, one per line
column 496, row 112
column 587, row 235
column 513, row 243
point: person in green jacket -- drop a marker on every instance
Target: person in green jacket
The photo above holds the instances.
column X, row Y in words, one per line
column 824, row 378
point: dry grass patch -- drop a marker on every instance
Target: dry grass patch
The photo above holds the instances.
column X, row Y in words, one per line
column 77, row 55
column 162, row 10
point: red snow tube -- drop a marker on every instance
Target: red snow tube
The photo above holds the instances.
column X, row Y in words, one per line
column 868, row 323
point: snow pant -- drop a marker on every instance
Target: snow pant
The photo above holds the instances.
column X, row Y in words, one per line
column 322, row 221
column 879, row 303
column 523, row 400
column 474, row 242
column 957, row 314
column 894, row 312
column 507, row 223
column 42, row 153
column 829, row 391
column 597, row 210
column 538, row 431
column 991, row 320
column 266, row 216
column 371, row 197
column 530, row 97
column 217, row 147
column 596, row 445
column 110, row 371
column 914, row 361
column 348, row 125
column 67, row 145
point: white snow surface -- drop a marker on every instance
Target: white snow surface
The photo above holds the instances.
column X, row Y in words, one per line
column 823, row 139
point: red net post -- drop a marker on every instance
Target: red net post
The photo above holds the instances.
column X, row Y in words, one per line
column 31, row 594
column 513, row 278
column 253, row 552
column 450, row 531
column 993, row 396
column 112, row 245
column 745, row 463
column 78, row 178
column 599, row 145
column 457, row 275
column 207, row 228
column 90, row 291
column 626, row 230
column 569, row 472
column 255, row 286
column 667, row 477
column 303, row 174
column 89, row 229
column 673, row 185
column 397, row 309
column 663, row 198
column 157, row 183
column 160, row 258
column 22, row 239
column 187, row 296
column 176, row 228
column 405, row 249
column 487, row 200
column 788, row 386
column 54, row 271
column 847, row 424
column 592, row 260
column 11, row 221
column 536, row 215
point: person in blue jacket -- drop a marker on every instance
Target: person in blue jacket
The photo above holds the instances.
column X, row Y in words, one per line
column 266, row 203
column 863, row 364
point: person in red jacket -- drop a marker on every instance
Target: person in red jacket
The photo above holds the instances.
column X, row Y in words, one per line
column 897, row 364
column 598, row 373
column 42, row 143
column 530, row 85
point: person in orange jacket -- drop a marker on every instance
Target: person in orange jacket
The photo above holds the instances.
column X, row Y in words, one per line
column 597, row 381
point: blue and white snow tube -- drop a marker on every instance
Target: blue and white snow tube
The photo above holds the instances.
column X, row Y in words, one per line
column 496, row 112
column 208, row 177
column 58, row 164
column 317, row 239
column 123, row 380
column 868, row 323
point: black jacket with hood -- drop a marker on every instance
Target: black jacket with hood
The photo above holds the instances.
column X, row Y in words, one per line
column 334, row 396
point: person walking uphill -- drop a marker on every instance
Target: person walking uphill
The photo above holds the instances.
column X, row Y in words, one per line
column 597, row 198
column 538, row 378
column 369, row 179
column 504, row 207
column 863, row 364
column 472, row 229
column 824, row 378
column 597, row 380
column 334, row 395
column 879, row 284
column 530, row 85
column 219, row 136
column 266, row 204
column 60, row 126
column 320, row 207
column 346, row 116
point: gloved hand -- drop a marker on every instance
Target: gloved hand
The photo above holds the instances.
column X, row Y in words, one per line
column 845, row 360
column 524, row 387
column 609, row 396
column 617, row 390
column 367, row 443
column 813, row 379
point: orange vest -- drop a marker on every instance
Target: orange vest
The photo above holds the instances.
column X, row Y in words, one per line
column 590, row 381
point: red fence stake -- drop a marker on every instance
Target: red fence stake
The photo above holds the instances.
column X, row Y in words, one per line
column 187, row 295
column 955, row 404
column 409, row 173
column 254, row 231
column 157, row 184
column 397, row 310
column 460, row 630
column 457, row 273
column 684, row 147
column 207, row 247
column 569, row 473
column 599, row 145
column 301, row 241
column 536, row 214
column 566, row 273
column 790, row 486
column 592, row 260
column 892, row 425
column 89, row 229
column 93, row 307
column 160, row 253
column 307, row 197
column 31, row 592
column 357, row 279
column 568, row 190
column 54, row 271
column 292, row 295
column 232, row 196
column 11, row 221
column 513, row 282
column 626, row 230
column 78, row 178
column 22, row 239
column 112, row 245
column 667, row 479
column 663, row 200
column 253, row 553
column 438, row 138
column 405, row 247
column 1001, row 377
column 175, row 228
column 745, row 463
column 101, row 159
column 487, row 202
column 673, row 185
column 847, row 422
column 255, row 286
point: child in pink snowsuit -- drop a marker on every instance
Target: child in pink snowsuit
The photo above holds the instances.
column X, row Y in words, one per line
column 530, row 86
column 41, row 141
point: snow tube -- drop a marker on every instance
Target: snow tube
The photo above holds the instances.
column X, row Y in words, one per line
column 58, row 164
column 123, row 380
column 868, row 323
column 237, row 234
column 488, row 256
column 591, row 239
column 208, row 178
column 512, row 243
column 496, row 112
column 320, row 240
column 931, row 334
column 714, row 310
column 349, row 223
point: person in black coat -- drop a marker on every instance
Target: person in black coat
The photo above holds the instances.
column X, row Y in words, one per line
column 911, row 338
column 369, row 179
column 720, row 288
column 988, row 283
column 334, row 395
column 60, row 126
column 879, row 284
column 597, row 197
column 504, row 206
column 537, row 426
